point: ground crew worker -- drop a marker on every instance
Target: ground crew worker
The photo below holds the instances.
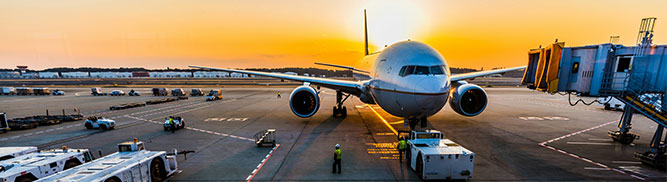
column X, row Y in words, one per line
column 337, row 156
column 278, row 94
column 172, row 124
column 402, row 145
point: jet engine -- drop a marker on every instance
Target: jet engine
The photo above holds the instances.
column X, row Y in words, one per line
column 304, row 101
column 468, row 99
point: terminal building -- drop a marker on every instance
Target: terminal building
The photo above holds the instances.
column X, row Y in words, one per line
column 635, row 75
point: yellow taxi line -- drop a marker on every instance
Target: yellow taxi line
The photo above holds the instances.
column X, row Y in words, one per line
column 383, row 120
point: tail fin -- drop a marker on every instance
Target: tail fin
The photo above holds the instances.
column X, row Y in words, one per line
column 365, row 33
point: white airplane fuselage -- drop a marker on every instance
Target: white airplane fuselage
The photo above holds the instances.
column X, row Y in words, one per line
column 415, row 95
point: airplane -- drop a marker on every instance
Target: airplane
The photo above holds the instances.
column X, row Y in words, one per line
column 408, row 79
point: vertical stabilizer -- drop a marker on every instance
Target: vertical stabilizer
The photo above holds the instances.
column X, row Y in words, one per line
column 365, row 34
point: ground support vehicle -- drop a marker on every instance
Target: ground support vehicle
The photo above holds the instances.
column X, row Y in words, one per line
column 97, row 91
column 41, row 91
column 265, row 137
column 134, row 93
column 132, row 162
column 4, row 125
column 23, row 91
column 99, row 123
column 178, row 92
column 196, row 92
column 159, row 101
column 22, row 123
column 126, row 106
column 160, row 92
column 58, row 92
column 179, row 123
column 214, row 95
column 38, row 165
column 435, row 158
column 13, row 152
column 7, row 90
column 117, row 93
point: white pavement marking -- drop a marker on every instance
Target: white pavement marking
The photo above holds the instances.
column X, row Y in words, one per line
column 544, row 144
column 588, row 143
column 596, row 168
column 194, row 129
column 261, row 164
column 626, row 162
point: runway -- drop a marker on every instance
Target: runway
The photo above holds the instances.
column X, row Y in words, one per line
column 522, row 135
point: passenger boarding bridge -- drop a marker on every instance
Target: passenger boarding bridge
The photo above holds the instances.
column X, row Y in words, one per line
column 635, row 75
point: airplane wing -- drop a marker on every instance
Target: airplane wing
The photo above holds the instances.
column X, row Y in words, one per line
column 340, row 66
column 352, row 87
column 483, row 73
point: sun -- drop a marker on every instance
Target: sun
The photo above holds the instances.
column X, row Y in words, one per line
column 393, row 21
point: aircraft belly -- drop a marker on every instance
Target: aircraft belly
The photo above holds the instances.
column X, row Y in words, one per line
column 408, row 104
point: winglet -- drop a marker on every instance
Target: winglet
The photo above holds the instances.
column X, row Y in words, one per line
column 365, row 33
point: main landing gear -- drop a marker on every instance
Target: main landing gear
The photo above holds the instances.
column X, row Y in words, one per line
column 339, row 109
column 412, row 122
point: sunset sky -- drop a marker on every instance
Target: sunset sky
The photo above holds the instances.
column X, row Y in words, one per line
column 238, row 34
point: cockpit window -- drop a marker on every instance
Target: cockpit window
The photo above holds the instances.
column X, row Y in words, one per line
column 437, row 70
column 408, row 70
column 422, row 70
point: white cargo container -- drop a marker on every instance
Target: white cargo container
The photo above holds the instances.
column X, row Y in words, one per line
column 131, row 163
column 435, row 158
column 7, row 90
column 38, row 165
column 7, row 153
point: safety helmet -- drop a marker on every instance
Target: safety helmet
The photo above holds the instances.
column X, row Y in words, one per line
column 337, row 146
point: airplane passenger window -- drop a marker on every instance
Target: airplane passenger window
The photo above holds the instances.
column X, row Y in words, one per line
column 409, row 70
column 437, row 70
column 421, row 70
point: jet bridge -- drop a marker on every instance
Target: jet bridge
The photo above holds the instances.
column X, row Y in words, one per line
column 635, row 75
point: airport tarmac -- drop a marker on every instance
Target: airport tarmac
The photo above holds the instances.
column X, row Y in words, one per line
column 522, row 135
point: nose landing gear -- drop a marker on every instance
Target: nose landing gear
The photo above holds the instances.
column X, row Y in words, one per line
column 412, row 122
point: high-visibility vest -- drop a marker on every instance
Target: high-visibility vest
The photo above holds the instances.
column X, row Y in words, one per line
column 338, row 154
column 171, row 121
column 402, row 144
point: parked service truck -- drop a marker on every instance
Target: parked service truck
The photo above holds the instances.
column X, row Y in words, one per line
column 436, row 158
column 4, row 125
column 132, row 162
column 214, row 95
column 7, row 153
column 38, row 165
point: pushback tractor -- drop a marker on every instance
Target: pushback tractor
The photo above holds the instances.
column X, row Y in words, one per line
column 132, row 162
column 436, row 158
column 38, row 165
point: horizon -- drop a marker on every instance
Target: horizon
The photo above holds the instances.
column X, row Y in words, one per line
column 157, row 34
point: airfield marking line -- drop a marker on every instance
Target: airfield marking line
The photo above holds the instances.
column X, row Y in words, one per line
column 194, row 129
column 544, row 144
column 261, row 164
column 383, row 120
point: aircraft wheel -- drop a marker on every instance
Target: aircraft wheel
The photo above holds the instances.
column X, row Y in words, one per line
column 408, row 156
column 335, row 111
column 420, row 167
column 89, row 126
column 344, row 111
column 157, row 170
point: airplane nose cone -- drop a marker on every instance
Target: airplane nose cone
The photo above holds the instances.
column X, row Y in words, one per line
column 431, row 87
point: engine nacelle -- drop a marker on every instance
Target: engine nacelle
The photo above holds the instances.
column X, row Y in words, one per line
column 304, row 101
column 468, row 99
